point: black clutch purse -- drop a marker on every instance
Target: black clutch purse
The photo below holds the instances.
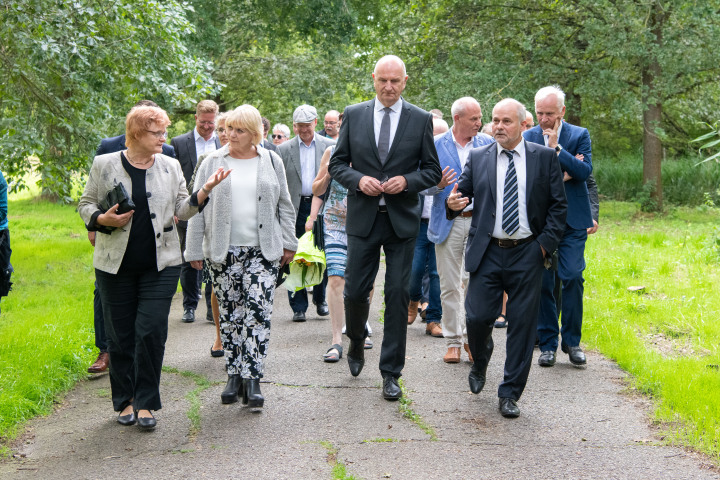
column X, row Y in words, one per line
column 318, row 231
column 117, row 195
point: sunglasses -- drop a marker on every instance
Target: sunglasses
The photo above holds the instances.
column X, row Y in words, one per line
column 277, row 137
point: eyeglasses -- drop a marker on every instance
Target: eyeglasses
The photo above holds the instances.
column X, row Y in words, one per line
column 277, row 137
column 220, row 130
column 158, row 135
column 207, row 124
column 331, row 123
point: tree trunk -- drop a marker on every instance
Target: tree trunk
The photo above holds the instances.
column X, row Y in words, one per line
column 652, row 115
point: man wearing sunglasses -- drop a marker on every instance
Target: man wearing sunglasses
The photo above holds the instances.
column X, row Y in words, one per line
column 189, row 146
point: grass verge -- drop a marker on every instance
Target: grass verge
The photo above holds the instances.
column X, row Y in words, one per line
column 339, row 470
column 405, row 408
column 193, row 397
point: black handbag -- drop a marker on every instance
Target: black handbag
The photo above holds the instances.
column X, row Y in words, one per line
column 318, row 231
column 117, row 195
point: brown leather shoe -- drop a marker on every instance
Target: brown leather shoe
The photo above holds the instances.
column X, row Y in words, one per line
column 412, row 311
column 452, row 355
column 467, row 349
column 101, row 364
column 434, row 329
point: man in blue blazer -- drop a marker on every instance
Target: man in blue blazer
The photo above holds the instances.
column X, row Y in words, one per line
column 450, row 236
column 568, row 141
column 517, row 220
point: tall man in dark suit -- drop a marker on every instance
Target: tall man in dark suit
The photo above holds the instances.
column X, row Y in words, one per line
column 189, row 146
column 517, row 219
column 385, row 156
column 568, row 141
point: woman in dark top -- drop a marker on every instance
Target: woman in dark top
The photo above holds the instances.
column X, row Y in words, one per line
column 137, row 257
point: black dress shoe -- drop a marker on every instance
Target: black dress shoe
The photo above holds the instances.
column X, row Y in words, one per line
column 547, row 358
column 252, row 397
column 323, row 309
column 298, row 317
column 209, row 317
column 189, row 315
column 232, row 389
column 391, row 388
column 127, row 420
column 147, row 423
column 476, row 381
column 508, row 408
column 356, row 358
column 577, row 357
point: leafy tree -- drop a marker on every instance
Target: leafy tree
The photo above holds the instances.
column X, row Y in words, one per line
column 71, row 69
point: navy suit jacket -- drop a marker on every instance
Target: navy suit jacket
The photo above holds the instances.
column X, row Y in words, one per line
column 412, row 155
column 545, row 197
column 186, row 154
column 115, row 144
column 573, row 140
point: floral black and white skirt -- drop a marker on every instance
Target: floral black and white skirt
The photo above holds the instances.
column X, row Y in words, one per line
column 245, row 287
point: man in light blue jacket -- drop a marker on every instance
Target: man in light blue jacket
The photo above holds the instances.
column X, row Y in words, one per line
column 450, row 236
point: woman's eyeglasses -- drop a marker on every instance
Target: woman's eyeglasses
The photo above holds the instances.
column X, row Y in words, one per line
column 158, row 135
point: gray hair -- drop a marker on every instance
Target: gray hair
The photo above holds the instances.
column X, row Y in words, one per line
column 521, row 112
column 545, row 92
column 461, row 104
column 283, row 128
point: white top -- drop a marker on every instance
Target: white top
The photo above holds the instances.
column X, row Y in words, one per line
column 307, row 166
column 427, row 206
column 463, row 153
column 243, row 221
column 202, row 145
column 521, row 171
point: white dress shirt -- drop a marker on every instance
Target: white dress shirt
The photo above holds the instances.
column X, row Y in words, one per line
column 521, row 171
column 202, row 145
column 545, row 137
column 307, row 166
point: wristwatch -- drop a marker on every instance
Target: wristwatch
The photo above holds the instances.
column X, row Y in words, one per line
column 558, row 148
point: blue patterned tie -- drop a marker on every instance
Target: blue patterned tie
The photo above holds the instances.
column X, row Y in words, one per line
column 511, row 217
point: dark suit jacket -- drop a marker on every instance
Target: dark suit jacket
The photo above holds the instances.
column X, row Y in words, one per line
column 186, row 154
column 268, row 146
column 412, row 154
column 545, row 197
column 573, row 140
column 115, row 144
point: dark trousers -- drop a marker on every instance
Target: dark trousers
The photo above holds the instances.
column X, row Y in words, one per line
column 516, row 271
column 362, row 267
column 571, row 256
column 99, row 321
column 136, row 307
column 424, row 265
column 299, row 300
column 191, row 280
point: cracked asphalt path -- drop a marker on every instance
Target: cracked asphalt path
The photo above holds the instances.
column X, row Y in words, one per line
column 575, row 423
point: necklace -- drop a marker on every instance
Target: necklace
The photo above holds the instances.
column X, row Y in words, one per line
column 127, row 154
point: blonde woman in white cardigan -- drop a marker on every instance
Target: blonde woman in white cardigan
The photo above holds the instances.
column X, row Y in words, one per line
column 244, row 234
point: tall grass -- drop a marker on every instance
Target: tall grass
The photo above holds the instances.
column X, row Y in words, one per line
column 683, row 182
column 46, row 336
column 666, row 336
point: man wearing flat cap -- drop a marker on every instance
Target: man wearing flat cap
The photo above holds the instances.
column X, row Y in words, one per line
column 301, row 156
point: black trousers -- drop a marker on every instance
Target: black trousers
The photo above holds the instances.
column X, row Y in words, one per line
column 362, row 266
column 191, row 279
column 517, row 271
column 136, row 307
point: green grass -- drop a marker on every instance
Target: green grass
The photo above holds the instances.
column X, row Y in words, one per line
column 339, row 469
column 46, row 325
column 668, row 335
column 405, row 408
column 193, row 397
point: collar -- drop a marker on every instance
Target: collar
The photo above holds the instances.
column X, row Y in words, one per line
column 302, row 144
column 396, row 107
column 519, row 149
column 470, row 143
column 198, row 137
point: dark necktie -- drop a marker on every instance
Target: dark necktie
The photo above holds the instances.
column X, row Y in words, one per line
column 384, row 138
column 511, row 218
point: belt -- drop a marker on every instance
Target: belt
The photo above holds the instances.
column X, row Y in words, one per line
column 425, row 220
column 511, row 243
column 466, row 214
column 382, row 208
column 306, row 199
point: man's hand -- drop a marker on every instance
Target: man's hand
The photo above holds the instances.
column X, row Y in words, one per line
column 456, row 201
column 566, row 177
column 544, row 252
column 196, row 264
column 370, row 186
column 593, row 229
column 552, row 133
column 449, row 176
column 112, row 219
column 91, row 238
column 395, row 185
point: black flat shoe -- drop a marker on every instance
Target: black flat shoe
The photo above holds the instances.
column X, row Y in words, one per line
column 476, row 381
column 508, row 408
column 233, row 388
column 252, row 396
column 147, row 423
column 127, row 420
column 546, row 358
column 391, row 388
column 577, row 356
column 217, row 353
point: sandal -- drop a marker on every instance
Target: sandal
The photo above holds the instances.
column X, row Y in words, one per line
column 368, row 343
column 501, row 323
column 333, row 356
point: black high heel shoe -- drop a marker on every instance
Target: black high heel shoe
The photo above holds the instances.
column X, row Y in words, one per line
column 252, row 397
column 233, row 388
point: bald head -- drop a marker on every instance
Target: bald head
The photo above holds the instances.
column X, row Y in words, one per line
column 508, row 121
column 389, row 79
column 391, row 60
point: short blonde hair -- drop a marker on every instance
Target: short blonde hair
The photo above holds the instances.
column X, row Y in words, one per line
column 140, row 119
column 206, row 106
column 246, row 117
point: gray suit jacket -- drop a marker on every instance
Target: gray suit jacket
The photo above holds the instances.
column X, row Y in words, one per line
column 290, row 154
column 208, row 234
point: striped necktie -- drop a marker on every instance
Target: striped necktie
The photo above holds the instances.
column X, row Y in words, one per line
column 510, row 218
